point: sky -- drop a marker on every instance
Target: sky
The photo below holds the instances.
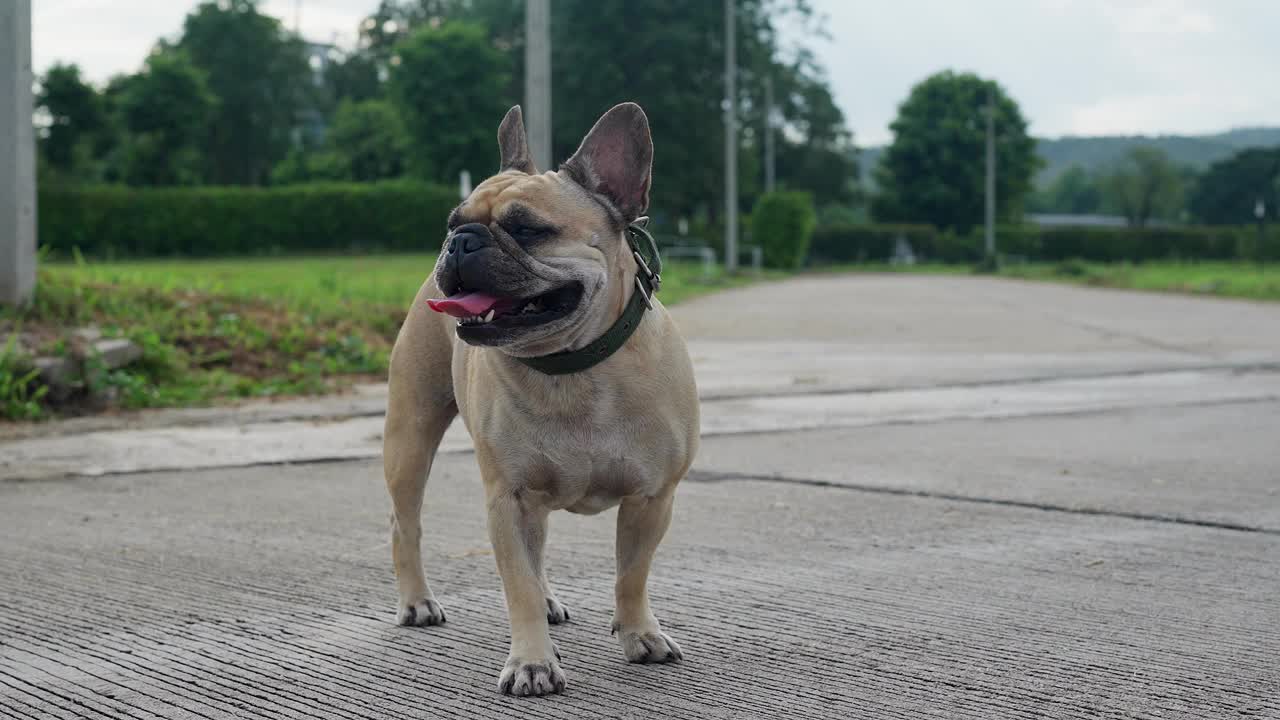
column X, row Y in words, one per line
column 1076, row 67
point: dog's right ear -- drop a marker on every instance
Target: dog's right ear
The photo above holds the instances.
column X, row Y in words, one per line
column 513, row 143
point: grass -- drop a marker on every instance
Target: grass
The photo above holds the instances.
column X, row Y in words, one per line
column 213, row 330
column 1225, row 279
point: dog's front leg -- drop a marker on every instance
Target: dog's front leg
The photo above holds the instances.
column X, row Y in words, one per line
column 641, row 524
column 518, row 533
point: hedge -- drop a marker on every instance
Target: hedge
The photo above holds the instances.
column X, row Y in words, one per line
column 875, row 243
column 116, row 221
column 868, row 243
column 782, row 225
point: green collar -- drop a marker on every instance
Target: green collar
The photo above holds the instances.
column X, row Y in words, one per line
column 648, row 280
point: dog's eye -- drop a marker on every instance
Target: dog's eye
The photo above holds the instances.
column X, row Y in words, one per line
column 528, row 234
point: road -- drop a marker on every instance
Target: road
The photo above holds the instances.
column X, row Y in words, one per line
column 916, row 497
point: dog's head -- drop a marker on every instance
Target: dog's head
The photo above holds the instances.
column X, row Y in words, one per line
column 536, row 263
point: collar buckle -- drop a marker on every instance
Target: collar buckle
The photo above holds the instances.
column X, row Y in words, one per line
column 650, row 269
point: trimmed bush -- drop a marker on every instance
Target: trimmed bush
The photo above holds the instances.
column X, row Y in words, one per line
column 115, row 221
column 868, row 243
column 782, row 225
column 874, row 243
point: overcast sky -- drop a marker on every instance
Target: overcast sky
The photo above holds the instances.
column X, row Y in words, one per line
column 1077, row 67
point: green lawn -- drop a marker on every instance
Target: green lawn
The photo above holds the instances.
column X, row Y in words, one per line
column 218, row 329
column 328, row 284
column 1226, row 279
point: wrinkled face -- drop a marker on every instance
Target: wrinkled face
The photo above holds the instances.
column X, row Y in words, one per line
column 524, row 259
column 528, row 258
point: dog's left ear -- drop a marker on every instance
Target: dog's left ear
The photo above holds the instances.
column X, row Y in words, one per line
column 616, row 160
column 513, row 143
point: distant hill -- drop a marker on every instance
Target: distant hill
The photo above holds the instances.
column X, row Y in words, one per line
column 1198, row 151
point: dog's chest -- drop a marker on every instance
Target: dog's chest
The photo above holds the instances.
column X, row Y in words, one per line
column 584, row 461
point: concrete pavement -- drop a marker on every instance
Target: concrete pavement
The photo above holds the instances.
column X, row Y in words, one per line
column 916, row 497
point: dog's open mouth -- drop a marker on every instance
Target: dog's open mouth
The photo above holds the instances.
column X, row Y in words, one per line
column 479, row 313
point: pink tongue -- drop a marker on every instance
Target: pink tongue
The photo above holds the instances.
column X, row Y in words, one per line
column 464, row 305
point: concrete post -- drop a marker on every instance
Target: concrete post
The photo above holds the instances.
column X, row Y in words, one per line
column 989, row 221
column 537, row 81
column 730, row 139
column 17, row 156
column 770, row 174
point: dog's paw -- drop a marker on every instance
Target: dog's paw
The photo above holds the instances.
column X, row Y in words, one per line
column 423, row 612
column 648, row 646
column 556, row 612
column 523, row 678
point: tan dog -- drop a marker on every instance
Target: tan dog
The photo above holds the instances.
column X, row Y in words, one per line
column 534, row 265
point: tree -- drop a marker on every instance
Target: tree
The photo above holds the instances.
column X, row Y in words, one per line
column 1075, row 192
column 1229, row 190
column 823, row 160
column 450, row 86
column 1145, row 185
column 260, row 75
column 75, row 117
column 165, row 110
column 365, row 142
column 934, row 170
column 353, row 77
column 667, row 55
column 370, row 139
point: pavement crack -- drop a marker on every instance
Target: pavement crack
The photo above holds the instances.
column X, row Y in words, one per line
column 1099, row 330
column 721, row 476
column 1235, row 368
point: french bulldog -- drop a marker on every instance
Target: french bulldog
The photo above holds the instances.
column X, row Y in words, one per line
column 535, row 265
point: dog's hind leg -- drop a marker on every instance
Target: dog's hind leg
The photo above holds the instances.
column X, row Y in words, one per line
column 420, row 407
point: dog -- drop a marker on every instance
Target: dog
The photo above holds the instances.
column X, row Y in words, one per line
column 575, row 400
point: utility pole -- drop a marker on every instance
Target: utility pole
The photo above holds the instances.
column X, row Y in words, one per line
column 990, row 230
column 730, row 139
column 17, row 156
column 769, row 172
column 537, row 81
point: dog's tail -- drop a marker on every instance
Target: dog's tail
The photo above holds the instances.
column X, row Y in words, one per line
column 420, row 407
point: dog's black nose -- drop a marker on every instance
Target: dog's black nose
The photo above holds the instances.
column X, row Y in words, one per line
column 469, row 238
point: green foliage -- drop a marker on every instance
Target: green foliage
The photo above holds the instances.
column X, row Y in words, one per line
column 450, row 87
column 1096, row 154
column 76, row 116
column 846, row 242
column 837, row 214
column 934, row 169
column 353, row 77
column 1229, row 190
column 1145, row 185
column 165, row 110
column 782, row 224
column 370, row 139
column 259, row 74
column 1075, row 192
column 875, row 243
column 20, row 388
column 206, row 221
column 667, row 55
column 366, row 142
